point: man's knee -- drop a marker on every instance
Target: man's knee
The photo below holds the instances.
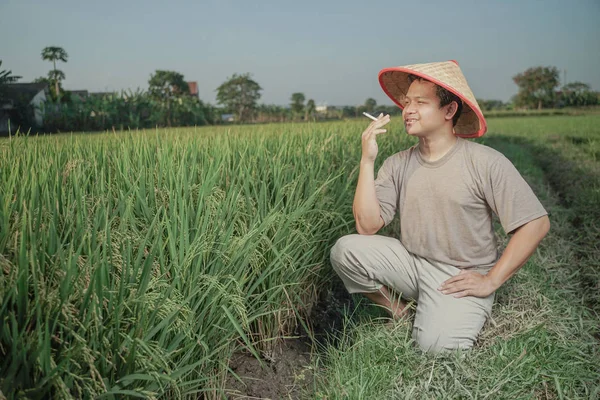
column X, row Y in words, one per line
column 436, row 341
column 342, row 250
column 347, row 259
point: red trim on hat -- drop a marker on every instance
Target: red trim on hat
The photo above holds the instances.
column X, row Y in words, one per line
column 482, row 123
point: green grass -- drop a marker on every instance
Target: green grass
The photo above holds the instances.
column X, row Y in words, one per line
column 136, row 263
column 542, row 341
column 526, row 113
column 590, row 110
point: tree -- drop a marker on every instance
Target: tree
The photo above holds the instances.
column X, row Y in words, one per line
column 577, row 87
column 167, row 84
column 271, row 113
column 310, row 109
column 297, row 103
column 51, row 88
column 537, row 86
column 239, row 94
column 489, row 105
column 65, row 98
column 165, row 87
column 370, row 104
column 578, row 94
column 54, row 54
column 41, row 79
column 348, row 112
column 6, row 77
column 56, row 75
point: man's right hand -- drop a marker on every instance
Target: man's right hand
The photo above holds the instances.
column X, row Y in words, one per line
column 369, row 142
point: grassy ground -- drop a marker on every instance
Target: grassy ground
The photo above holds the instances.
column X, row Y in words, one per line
column 136, row 263
column 543, row 339
column 544, row 112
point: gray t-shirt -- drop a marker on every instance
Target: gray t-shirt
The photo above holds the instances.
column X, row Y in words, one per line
column 446, row 206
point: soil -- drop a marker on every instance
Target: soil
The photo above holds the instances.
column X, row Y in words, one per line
column 327, row 316
column 287, row 374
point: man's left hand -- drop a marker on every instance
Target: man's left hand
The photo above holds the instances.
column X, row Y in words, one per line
column 468, row 283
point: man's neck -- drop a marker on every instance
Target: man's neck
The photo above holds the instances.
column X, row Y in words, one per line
column 434, row 147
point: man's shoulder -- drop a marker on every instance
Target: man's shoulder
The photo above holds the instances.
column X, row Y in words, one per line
column 400, row 157
column 480, row 154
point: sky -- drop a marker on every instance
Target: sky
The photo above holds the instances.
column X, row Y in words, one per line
column 331, row 51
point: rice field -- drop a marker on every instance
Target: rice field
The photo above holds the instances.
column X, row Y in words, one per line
column 135, row 263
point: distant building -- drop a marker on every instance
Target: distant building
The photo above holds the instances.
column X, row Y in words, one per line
column 101, row 94
column 18, row 96
column 193, row 86
column 80, row 95
column 321, row 108
column 227, row 117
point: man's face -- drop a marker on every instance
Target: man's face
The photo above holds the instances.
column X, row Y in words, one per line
column 422, row 113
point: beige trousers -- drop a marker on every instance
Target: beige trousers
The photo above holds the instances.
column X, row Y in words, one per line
column 442, row 322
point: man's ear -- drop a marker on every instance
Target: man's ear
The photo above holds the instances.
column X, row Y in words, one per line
column 452, row 108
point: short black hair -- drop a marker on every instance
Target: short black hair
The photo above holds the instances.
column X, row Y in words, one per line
column 446, row 97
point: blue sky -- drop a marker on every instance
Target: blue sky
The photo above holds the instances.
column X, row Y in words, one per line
column 329, row 50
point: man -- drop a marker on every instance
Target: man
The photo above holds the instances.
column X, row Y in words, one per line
column 445, row 190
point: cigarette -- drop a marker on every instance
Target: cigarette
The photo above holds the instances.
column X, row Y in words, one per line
column 369, row 116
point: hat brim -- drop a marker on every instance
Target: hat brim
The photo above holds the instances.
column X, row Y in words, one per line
column 394, row 82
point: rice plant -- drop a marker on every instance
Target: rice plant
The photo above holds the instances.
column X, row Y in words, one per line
column 134, row 263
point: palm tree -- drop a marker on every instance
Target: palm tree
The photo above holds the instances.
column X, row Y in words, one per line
column 56, row 75
column 5, row 78
column 53, row 54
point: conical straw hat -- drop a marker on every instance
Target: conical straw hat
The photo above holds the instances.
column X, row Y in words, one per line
column 447, row 74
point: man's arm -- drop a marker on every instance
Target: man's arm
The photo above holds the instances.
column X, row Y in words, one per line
column 365, row 207
column 520, row 247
